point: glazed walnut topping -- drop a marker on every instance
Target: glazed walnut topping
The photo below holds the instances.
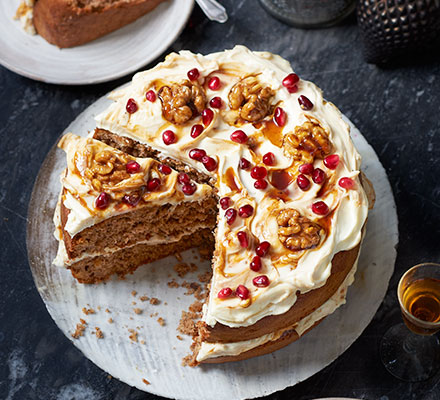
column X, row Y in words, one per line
column 309, row 140
column 297, row 232
column 251, row 99
column 106, row 168
column 182, row 102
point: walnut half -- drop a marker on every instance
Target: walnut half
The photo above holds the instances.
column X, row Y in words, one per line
column 297, row 232
column 182, row 102
column 251, row 98
column 309, row 141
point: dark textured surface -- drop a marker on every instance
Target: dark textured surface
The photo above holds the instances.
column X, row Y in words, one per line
column 397, row 110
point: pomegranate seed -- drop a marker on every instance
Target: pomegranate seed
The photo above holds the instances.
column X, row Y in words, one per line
column 197, row 154
column 102, row 201
column 153, row 184
column 239, row 137
column 260, row 184
column 193, row 74
column 183, row 178
column 214, row 83
column 225, row 202
column 216, row 102
column 209, row 163
column 262, row 249
column 207, row 116
column 243, row 163
column 150, row 96
column 346, row 183
column 243, row 239
column 224, row 293
column 305, row 103
column 306, row 169
column 131, row 199
column 169, row 137
column 231, row 215
column 259, row 172
column 261, row 281
column 196, row 130
column 245, row 211
column 269, row 158
column 189, row 188
column 131, row 106
column 290, row 81
column 320, row 208
column 331, row 162
column 318, row 176
column 280, row 116
column 242, row 292
column 165, row 169
column 256, row 264
column 132, row 167
column 303, row 182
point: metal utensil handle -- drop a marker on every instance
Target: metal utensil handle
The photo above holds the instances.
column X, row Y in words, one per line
column 213, row 10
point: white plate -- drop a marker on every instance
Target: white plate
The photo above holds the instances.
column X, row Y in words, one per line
column 104, row 59
column 159, row 359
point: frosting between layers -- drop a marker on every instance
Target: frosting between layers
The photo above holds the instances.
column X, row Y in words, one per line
column 288, row 272
column 213, row 350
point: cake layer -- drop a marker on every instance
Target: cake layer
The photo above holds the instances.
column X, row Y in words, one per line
column 305, row 304
column 127, row 260
column 69, row 23
column 123, row 230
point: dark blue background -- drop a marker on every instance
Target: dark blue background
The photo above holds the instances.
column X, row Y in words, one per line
column 397, row 109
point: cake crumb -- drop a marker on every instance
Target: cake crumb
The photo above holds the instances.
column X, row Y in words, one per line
column 188, row 321
column 154, row 301
column 179, row 337
column 154, row 315
column 142, row 341
column 107, row 310
column 110, row 320
column 144, row 298
column 183, row 268
column 161, row 321
column 179, row 257
column 146, row 382
column 133, row 335
column 133, row 303
column 99, row 308
column 205, row 277
column 134, row 293
column 88, row 311
column 137, row 310
column 173, row 284
column 99, row 333
column 80, row 328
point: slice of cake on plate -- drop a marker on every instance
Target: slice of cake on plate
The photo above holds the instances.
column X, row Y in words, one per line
column 291, row 201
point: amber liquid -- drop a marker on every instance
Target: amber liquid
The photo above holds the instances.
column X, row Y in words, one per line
column 422, row 300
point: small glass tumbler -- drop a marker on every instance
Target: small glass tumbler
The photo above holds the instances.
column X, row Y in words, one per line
column 309, row 13
column 411, row 351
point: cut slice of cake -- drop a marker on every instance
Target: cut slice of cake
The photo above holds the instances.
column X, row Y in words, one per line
column 69, row 23
column 117, row 212
column 280, row 159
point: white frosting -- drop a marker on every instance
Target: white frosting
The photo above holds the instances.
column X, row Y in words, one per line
column 288, row 272
column 213, row 350
column 25, row 14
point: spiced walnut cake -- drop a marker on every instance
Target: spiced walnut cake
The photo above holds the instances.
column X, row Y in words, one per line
column 242, row 153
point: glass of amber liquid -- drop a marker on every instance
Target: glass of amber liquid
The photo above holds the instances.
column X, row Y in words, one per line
column 411, row 351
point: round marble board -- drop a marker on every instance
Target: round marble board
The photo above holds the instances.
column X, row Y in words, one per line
column 156, row 356
column 109, row 57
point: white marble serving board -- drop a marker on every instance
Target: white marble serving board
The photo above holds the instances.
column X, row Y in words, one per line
column 159, row 359
column 110, row 57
